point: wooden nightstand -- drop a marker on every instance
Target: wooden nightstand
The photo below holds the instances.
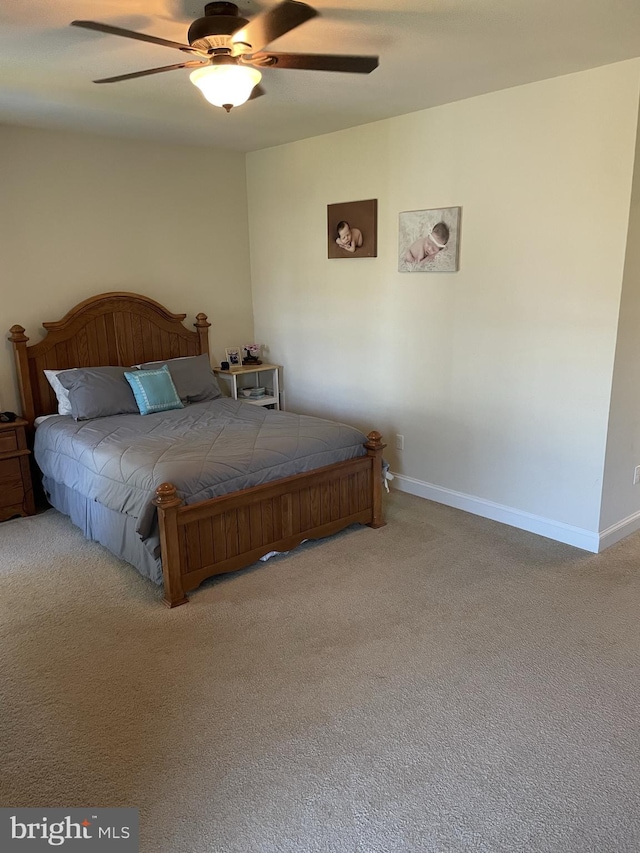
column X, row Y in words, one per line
column 271, row 398
column 16, row 491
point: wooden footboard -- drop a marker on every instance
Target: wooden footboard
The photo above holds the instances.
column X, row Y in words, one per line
column 233, row 531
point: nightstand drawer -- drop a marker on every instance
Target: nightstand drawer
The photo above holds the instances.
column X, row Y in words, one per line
column 16, row 491
column 8, row 441
column 11, row 484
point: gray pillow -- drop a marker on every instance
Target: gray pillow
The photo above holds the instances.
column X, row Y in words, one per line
column 96, row 392
column 194, row 380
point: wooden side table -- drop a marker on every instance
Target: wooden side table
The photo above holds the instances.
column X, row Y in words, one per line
column 16, row 490
column 272, row 399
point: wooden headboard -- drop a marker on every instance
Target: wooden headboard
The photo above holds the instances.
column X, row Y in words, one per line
column 108, row 329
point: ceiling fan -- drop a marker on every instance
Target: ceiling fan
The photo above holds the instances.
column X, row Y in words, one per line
column 229, row 49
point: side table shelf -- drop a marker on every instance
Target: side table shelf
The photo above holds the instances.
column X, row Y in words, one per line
column 16, row 491
column 231, row 376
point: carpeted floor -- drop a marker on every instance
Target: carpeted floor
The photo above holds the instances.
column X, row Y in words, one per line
column 445, row 684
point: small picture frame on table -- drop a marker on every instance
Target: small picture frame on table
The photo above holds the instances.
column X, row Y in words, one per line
column 234, row 357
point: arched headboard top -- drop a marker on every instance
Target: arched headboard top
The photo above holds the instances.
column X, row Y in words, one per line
column 115, row 328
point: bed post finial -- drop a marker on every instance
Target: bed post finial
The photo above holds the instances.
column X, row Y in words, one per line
column 374, row 446
column 168, row 504
column 19, row 341
column 202, row 326
column 167, row 496
column 17, row 335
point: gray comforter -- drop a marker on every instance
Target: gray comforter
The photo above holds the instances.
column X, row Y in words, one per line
column 205, row 450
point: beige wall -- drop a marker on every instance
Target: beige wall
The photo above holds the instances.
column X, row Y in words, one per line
column 84, row 214
column 620, row 497
column 499, row 376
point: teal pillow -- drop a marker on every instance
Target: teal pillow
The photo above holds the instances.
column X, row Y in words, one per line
column 154, row 390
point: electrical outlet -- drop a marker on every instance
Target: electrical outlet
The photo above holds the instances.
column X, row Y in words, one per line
column 400, row 443
column 636, row 475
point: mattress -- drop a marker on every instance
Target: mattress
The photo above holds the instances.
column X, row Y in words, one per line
column 205, row 450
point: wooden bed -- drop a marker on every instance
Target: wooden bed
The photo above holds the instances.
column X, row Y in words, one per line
column 225, row 533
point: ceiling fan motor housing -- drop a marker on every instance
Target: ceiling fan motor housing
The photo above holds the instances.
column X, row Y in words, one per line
column 214, row 31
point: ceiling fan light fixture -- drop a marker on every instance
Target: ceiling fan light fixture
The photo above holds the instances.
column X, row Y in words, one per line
column 226, row 85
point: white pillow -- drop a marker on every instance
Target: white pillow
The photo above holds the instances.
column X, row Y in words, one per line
column 42, row 419
column 64, row 405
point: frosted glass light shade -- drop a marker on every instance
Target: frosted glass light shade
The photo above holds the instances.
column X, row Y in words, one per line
column 226, row 84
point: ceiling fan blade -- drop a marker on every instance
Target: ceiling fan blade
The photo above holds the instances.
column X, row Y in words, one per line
column 270, row 25
column 193, row 64
column 130, row 34
column 318, row 62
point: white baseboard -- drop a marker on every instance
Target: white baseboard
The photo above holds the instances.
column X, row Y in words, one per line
column 587, row 540
column 621, row 529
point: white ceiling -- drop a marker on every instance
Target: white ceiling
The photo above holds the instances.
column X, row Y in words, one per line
column 431, row 52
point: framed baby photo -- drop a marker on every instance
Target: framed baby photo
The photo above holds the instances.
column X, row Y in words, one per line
column 352, row 229
column 234, row 357
column 429, row 240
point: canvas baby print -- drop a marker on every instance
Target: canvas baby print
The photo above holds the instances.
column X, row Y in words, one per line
column 352, row 229
column 429, row 240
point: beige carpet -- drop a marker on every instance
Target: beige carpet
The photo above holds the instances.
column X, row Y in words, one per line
column 444, row 684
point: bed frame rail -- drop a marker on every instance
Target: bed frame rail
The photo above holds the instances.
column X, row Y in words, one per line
column 230, row 532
